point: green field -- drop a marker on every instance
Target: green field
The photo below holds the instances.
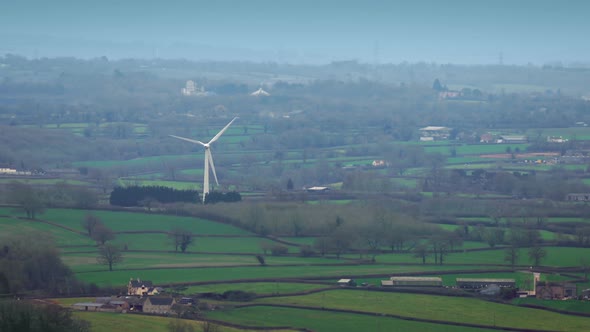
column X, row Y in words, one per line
column 61, row 236
column 108, row 322
column 255, row 287
column 477, row 149
column 324, row 321
column 129, row 221
column 187, row 275
column 569, row 305
column 40, row 182
column 442, row 308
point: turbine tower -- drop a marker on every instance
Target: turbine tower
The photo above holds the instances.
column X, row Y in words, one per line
column 208, row 157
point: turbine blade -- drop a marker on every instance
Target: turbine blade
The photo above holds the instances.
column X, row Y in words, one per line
column 222, row 131
column 188, row 140
column 212, row 165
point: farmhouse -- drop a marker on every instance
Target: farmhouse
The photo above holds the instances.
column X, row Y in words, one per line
column 158, row 305
column 486, row 138
column 434, row 133
column 555, row 291
column 513, row 139
column 11, row 171
column 417, row 281
column 556, row 139
column 141, row 288
column 580, row 197
column 476, row 283
column 450, row 94
column 379, row 163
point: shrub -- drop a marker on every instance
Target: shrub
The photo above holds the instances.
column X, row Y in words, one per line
column 278, row 250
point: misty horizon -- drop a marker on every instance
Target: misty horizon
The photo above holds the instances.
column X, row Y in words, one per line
column 457, row 32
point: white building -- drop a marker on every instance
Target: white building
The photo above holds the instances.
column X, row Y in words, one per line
column 260, row 93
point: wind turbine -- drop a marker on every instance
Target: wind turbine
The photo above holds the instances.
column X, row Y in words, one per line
column 208, row 156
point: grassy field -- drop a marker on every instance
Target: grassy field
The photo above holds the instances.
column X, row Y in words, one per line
column 41, row 182
column 255, row 287
column 129, row 221
column 201, row 244
column 113, row 322
column 322, row 321
column 569, row 305
column 443, row 308
column 579, row 133
column 60, row 235
column 477, row 149
column 556, row 256
column 186, row 275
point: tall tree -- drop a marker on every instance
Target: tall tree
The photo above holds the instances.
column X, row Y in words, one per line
column 102, row 234
column 421, row 251
column 90, row 223
column 511, row 255
column 537, row 254
column 109, row 254
column 29, row 200
column 436, row 85
column 181, row 238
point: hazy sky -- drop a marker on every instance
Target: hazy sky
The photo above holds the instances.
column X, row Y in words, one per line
column 302, row 31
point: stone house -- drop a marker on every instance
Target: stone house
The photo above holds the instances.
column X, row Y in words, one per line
column 141, row 288
column 158, row 305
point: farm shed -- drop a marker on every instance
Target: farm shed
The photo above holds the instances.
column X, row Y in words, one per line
column 431, row 133
column 417, row 281
column 87, row 306
column 346, row 282
column 584, row 197
column 476, row 283
column 386, row 283
column 158, row 305
column 513, row 139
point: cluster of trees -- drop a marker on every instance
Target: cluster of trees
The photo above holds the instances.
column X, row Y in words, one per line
column 108, row 253
column 146, row 195
column 30, row 262
column 181, row 238
column 34, row 200
column 554, row 185
column 24, row 316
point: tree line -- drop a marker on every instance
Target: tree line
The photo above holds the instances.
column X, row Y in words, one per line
column 143, row 195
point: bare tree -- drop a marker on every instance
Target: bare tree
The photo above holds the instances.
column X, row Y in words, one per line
column 181, row 238
column 536, row 254
column 421, row 251
column 102, row 234
column 585, row 264
column 340, row 240
column 109, row 254
column 27, row 198
column 90, row 223
column 511, row 255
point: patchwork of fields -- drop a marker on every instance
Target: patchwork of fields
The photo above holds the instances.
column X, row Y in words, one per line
column 223, row 258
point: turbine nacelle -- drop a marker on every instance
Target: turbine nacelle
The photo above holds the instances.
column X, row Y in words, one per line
column 208, row 156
